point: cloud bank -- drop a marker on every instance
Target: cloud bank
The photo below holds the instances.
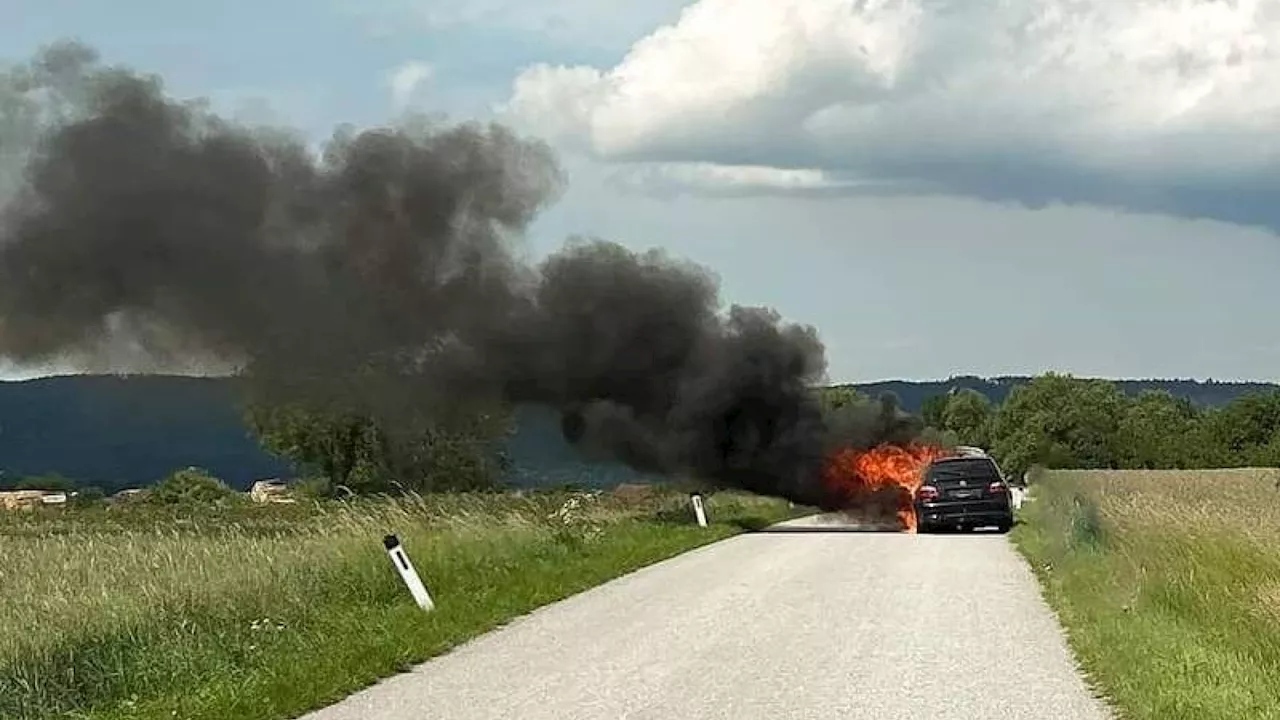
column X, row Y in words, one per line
column 1166, row 106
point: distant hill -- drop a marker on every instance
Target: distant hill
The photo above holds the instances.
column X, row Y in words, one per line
column 118, row 432
column 127, row 431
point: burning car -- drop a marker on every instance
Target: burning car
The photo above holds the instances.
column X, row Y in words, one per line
column 964, row 491
column 881, row 481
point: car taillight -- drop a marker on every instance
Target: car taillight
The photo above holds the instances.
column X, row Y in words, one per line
column 927, row 493
column 996, row 487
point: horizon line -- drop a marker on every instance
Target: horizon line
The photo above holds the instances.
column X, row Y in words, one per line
column 21, row 378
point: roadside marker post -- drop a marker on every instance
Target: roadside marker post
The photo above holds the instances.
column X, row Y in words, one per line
column 698, row 511
column 407, row 572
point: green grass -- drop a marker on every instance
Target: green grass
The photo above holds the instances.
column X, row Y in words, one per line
column 268, row 612
column 1168, row 584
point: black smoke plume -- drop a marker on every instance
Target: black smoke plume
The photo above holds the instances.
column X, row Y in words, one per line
column 380, row 276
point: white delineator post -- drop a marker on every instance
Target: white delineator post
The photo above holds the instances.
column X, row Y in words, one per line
column 1017, row 495
column 698, row 511
column 407, row 573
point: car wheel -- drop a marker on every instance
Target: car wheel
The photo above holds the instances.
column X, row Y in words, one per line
column 1005, row 526
column 922, row 526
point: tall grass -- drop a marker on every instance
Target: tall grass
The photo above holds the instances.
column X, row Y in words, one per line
column 1168, row 583
column 270, row 611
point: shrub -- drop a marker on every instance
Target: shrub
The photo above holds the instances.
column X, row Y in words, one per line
column 192, row 486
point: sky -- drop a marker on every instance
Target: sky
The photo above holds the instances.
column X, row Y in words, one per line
column 941, row 187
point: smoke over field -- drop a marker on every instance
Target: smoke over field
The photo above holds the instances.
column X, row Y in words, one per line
column 380, row 276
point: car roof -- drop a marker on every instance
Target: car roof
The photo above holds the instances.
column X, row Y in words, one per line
column 961, row 458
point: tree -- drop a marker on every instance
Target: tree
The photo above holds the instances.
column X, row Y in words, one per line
column 1267, row 455
column 51, row 481
column 345, row 448
column 1242, row 432
column 1058, row 421
column 933, row 408
column 836, row 397
column 968, row 415
column 1156, row 431
column 354, row 450
column 936, row 437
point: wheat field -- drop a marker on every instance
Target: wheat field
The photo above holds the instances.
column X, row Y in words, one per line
column 265, row 612
column 1168, row 583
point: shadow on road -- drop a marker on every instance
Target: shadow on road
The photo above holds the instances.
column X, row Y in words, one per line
column 833, row 528
column 760, row 526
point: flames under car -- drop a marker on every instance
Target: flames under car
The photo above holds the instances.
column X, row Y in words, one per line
column 963, row 492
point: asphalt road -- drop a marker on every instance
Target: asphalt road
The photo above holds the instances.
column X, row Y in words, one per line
column 796, row 624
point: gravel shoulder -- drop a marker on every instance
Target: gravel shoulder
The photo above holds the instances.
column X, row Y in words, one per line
column 809, row 619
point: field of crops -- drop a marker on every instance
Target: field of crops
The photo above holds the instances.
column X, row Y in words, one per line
column 1168, row 583
column 264, row 612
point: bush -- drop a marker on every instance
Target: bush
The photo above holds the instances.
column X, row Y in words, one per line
column 192, row 486
column 1086, row 522
column 1035, row 474
column 574, row 522
column 88, row 496
column 314, row 488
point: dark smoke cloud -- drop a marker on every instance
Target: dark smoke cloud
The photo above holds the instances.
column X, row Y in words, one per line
column 381, row 276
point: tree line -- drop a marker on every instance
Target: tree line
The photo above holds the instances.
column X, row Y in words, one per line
column 1060, row 421
column 1054, row 420
column 343, row 451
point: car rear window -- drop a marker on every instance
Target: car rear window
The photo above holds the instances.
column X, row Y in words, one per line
column 953, row 471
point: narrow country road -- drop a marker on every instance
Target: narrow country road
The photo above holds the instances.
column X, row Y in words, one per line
column 786, row 623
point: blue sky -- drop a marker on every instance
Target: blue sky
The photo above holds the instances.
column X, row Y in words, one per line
column 891, row 171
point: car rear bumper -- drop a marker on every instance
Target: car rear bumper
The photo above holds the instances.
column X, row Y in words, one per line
column 972, row 516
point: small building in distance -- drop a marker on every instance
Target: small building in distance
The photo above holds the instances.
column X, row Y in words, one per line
column 28, row 499
column 129, row 495
column 20, row 499
column 273, row 490
column 54, row 498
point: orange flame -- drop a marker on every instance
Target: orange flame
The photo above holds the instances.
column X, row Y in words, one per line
column 858, row 477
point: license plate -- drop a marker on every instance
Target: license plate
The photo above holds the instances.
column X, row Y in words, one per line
column 964, row 494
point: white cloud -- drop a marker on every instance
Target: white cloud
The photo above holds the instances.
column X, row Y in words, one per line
column 1164, row 105
column 600, row 24
column 702, row 178
column 406, row 81
column 558, row 103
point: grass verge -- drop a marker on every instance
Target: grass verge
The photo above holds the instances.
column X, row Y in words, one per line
column 265, row 613
column 1168, row 585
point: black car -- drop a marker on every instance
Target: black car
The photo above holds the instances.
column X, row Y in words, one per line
column 965, row 493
